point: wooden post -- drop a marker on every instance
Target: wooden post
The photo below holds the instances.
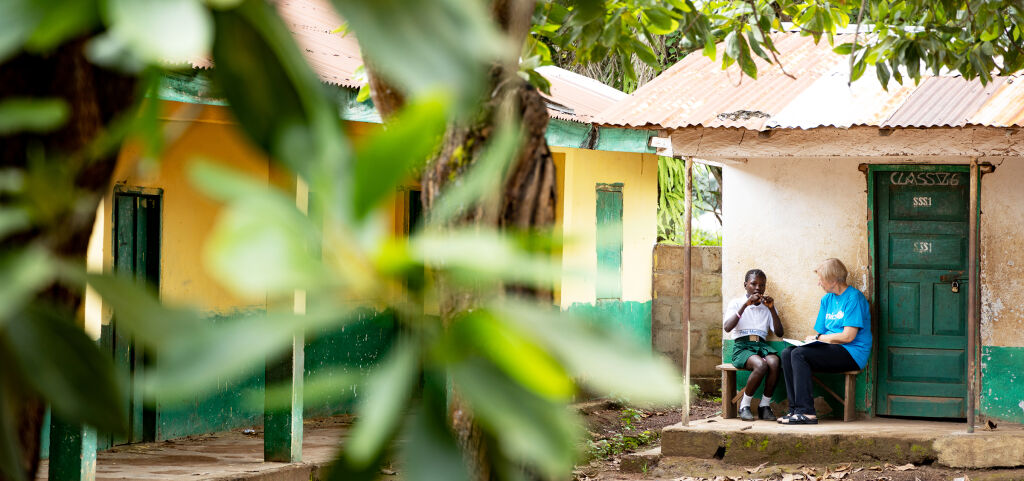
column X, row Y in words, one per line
column 687, row 287
column 850, row 398
column 72, row 451
column 282, row 425
column 972, row 296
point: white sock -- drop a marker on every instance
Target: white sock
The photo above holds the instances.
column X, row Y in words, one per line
column 745, row 403
column 766, row 401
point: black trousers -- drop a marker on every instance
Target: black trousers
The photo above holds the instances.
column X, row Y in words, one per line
column 798, row 363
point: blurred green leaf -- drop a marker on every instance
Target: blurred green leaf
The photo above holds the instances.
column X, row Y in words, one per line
column 472, row 255
column 519, row 357
column 391, row 156
column 17, row 20
column 13, row 219
column 428, row 46
column 23, row 273
column 543, row 433
column 334, row 385
column 66, row 367
column 380, row 409
column 262, row 244
column 276, row 97
column 60, row 20
column 136, row 308
column 32, row 115
column 430, row 451
column 609, row 363
column 161, row 31
column 10, row 445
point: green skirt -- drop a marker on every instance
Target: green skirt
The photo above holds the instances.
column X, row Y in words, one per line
column 744, row 348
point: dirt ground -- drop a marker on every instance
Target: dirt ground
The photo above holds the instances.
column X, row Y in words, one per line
column 606, row 423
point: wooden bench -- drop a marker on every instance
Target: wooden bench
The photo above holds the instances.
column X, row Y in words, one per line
column 729, row 405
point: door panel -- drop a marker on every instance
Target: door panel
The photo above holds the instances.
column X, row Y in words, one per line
column 137, row 255
column 921, row 227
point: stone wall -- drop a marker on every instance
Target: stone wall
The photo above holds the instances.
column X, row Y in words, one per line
column 705, row 308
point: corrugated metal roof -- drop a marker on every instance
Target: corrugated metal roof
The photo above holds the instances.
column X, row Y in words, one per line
column 697, row 92
column 577, row 97
column 336, row 57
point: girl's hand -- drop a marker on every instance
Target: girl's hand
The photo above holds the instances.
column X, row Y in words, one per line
column 768, row 302
column 754, row 299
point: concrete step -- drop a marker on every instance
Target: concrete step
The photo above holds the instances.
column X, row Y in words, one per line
column 895, row 441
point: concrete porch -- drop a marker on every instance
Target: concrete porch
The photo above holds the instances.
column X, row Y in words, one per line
column 889, row 440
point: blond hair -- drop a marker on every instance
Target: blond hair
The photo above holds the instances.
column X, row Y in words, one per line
column 832, row 270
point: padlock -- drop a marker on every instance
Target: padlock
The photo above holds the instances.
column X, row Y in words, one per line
column 956, row 286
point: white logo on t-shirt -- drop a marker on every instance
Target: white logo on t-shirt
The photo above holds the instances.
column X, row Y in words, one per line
column 833, row 317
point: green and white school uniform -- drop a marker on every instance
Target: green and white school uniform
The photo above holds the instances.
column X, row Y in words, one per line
column 750, row 332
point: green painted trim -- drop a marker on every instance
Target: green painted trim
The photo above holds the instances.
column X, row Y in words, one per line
column 612, row 139
column 566, row 133
column 1002, row 383
column 192, row 88
column 72, row 451
column 195, row 87
column 631, row 318
column 871, row 389
column 351, row 109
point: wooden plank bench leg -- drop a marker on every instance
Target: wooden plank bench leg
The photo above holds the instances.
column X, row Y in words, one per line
column 849, row 403
column 728, row 392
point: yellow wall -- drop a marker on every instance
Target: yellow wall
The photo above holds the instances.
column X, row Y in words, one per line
column 193, row 131
column 187, row 215
column 787, row 215
column 580, row 171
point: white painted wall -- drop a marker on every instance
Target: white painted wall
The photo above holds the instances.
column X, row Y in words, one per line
column 786, row 215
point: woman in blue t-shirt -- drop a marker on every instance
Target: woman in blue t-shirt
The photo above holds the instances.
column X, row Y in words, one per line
column 842, row 342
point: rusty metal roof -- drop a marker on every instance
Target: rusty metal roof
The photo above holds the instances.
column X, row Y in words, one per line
column 697, row 92
column 336, row 57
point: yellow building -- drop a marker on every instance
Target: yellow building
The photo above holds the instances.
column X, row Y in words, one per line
column 155, row 223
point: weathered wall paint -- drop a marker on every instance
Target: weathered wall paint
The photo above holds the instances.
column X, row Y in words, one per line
column 566, row 133
column 582, row 171
column 631, row 318
column 785, row 215
column 1002, row 383
column 1002, row 255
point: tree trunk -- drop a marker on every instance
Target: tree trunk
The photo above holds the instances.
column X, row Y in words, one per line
column 95, row 96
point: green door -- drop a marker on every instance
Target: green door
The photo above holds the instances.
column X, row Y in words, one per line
column 921, row 221
column 609, row 241
column 136, row 253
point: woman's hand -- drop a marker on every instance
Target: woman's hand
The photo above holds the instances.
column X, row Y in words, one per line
column 812, row 338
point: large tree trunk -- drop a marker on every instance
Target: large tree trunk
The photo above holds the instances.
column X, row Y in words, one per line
column 527, row 198
column 95, row 96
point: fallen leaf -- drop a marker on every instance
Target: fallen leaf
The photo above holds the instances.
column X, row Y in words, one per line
column 840, row 475
column 788, row 477
column 875, row 468
column 387, row 472
column 889, row 466
column 845, row 467
column 758, row 468
column 905, row 467
column 808, row 471
column 857, row 470
column 746, row 428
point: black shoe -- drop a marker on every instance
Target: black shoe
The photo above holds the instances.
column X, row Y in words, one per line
column 765, row 413
column 745, row 414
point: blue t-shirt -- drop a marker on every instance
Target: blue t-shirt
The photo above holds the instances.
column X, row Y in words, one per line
column 847, row 309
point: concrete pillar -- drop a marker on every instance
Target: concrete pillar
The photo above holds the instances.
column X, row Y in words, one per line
column 282, row 425
column 72, row 451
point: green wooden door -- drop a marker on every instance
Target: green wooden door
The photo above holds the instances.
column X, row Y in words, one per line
column 609, row 241
column 921, row 222
column 137, row 254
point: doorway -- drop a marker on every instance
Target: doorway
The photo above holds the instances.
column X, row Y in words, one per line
column 921, row 238
column 136, row 244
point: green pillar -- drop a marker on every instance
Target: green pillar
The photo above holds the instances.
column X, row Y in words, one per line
column 282, row 425
column 72, row 451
